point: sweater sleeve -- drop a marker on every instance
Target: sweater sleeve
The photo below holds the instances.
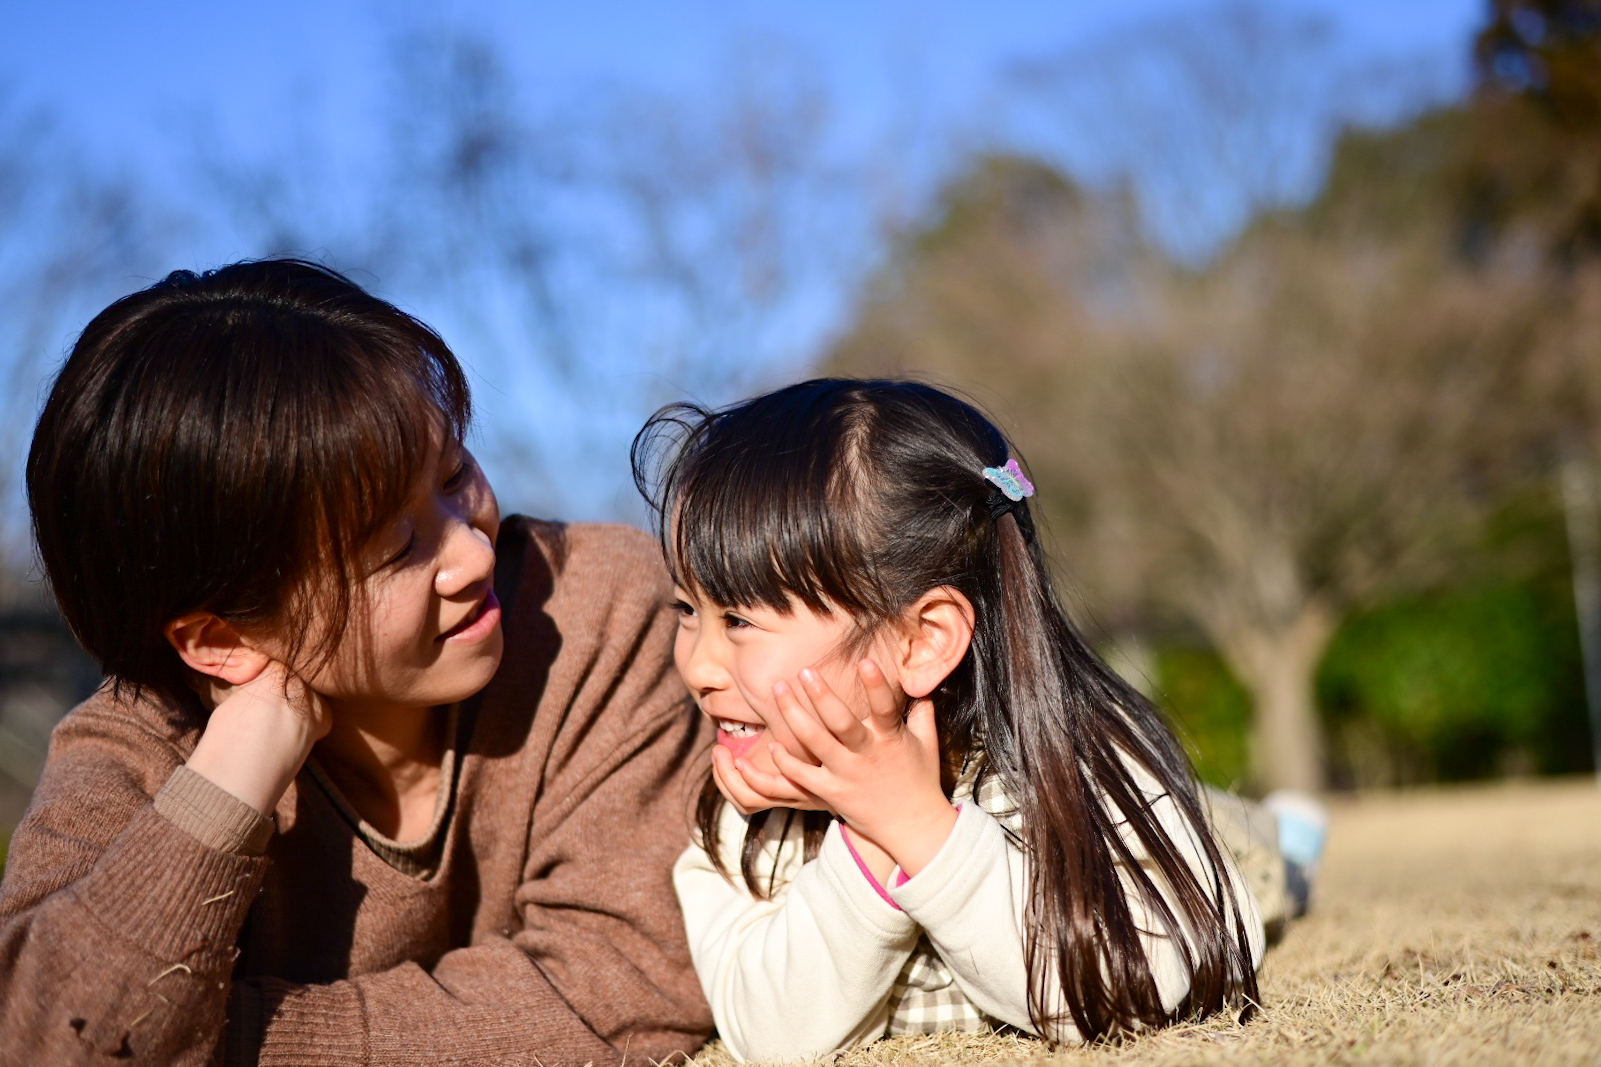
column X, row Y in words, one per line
column 593, row 976
column 801, row 975
column 117, row 927
column 595, row 970
column 971, row 900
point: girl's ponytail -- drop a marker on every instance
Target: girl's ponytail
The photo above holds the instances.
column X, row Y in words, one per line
column 1060, row 733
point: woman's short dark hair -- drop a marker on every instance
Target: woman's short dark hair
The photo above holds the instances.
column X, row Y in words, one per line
column 230, row 442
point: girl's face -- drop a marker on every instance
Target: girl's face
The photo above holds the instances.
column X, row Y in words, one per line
column 730, row 658
column 425, row 623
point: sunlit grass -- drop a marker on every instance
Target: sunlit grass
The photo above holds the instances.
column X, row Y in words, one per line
column 1452, row 927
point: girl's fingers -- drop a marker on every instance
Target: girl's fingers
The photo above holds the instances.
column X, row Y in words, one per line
column 774, row 787
column 806, row 727
column 883, row 705
column 783, row 792
column 753, row 789
column 812, row 779
column 781, row 732
column 832, row 712
column 733, row 787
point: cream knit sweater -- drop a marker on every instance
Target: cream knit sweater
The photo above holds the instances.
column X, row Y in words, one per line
column 813, row 970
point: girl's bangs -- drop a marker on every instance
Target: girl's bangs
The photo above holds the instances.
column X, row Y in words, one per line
column 752, row 515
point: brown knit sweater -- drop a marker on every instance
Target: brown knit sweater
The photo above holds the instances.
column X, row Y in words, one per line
column 539, row 928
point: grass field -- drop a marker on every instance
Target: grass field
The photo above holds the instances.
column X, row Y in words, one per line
column 1451, row 926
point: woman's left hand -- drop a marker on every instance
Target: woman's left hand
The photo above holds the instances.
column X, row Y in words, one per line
column 878, row 771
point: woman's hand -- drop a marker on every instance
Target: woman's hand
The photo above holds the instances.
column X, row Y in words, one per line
column 876, row 770
column 259, row 736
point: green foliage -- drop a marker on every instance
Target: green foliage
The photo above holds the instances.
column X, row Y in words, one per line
column 1467, row 683
column 1210, row 711
column 1461, row 684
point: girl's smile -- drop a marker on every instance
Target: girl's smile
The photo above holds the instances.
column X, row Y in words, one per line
column 478, row 624
column 732, row 657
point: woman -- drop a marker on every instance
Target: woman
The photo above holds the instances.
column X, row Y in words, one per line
column 375, row 776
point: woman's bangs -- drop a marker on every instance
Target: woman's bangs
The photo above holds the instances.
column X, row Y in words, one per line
column 390, row 414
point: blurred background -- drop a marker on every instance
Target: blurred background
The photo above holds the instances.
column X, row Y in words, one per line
column 1294, row 308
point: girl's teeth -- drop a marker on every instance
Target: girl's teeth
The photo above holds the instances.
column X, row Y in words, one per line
column 736, row 729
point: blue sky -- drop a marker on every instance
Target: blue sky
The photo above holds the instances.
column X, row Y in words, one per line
column 147, row 89
column 124, row 79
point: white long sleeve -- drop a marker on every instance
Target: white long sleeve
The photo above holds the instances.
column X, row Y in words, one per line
column 801, row 975
column 971, row 898
column 812, row 970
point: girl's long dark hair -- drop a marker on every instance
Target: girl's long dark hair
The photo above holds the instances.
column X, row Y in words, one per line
column 862, row 496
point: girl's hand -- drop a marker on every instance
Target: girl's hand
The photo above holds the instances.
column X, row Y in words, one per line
column 259, row 736
column 751, row 790
column 877, row 771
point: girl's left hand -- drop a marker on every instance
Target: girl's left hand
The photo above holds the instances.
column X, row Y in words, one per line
column 751, row 790
column 878, row 771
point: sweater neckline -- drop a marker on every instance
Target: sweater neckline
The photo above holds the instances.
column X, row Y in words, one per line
column 420, row 858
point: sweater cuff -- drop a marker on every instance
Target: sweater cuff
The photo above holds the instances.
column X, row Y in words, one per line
column 211, row 815
column 163, row 890
column 867, row 899
column 867, row 872
column 321, row 1024
column 947, row 883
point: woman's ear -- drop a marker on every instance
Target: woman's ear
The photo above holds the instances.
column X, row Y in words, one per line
column 212, row 646
column 936, row 631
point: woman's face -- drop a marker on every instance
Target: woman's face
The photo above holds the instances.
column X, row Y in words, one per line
column 425, row 624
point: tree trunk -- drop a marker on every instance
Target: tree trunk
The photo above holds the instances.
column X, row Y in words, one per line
column 1278, row 666
column 1584, row 543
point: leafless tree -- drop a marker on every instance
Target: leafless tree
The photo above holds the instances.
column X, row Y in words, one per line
column 591, row 257
column 1214, row 114
column 1259, row 446
column 70, row 238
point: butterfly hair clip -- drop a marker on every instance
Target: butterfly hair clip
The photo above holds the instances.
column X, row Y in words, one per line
column 1010, row 480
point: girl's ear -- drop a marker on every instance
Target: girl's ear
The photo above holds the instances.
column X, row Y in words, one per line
column 212, row 646
column 934, row 636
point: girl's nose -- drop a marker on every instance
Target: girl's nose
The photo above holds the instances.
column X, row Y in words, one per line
column 468, row 558
column 698, row 665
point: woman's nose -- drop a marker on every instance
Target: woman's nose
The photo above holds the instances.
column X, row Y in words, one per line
column 469, row 560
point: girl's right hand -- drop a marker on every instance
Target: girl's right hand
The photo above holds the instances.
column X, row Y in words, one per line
column 259, row 736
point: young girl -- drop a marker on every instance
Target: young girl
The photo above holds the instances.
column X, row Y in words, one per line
column 931, row 806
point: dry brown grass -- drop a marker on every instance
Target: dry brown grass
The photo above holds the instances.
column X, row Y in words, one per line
column 1452, row 926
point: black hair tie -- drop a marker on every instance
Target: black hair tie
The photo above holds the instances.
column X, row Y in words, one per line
column 999, row 504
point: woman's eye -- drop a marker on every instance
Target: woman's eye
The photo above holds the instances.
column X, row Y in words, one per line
column 458, row 476
column 401, row 556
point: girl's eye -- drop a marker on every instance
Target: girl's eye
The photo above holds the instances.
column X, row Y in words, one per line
column 682, row 609
column 734, row 622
